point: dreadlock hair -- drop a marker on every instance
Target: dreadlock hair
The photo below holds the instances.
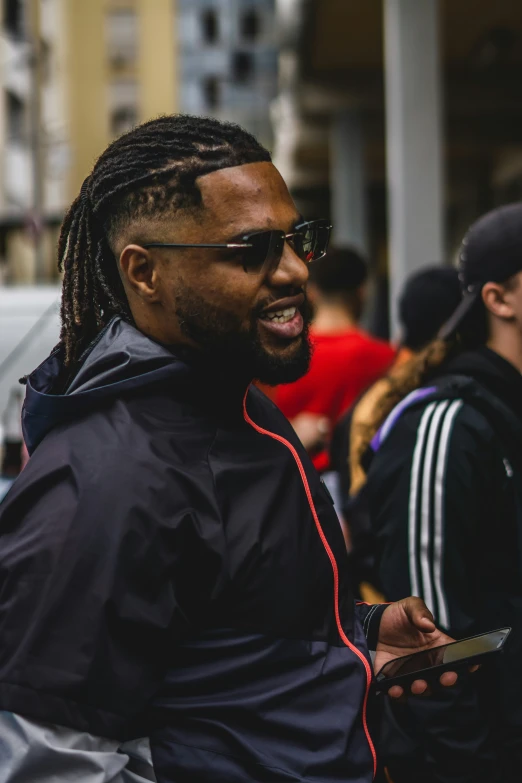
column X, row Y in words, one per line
column 150, row 170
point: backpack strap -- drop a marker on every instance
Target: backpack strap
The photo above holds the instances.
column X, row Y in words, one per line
column 412, row 399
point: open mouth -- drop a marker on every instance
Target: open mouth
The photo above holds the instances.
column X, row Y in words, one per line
column 281, row 316
column 286, row 324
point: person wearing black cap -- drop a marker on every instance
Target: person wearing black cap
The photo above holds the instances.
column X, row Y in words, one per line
column 445, row 495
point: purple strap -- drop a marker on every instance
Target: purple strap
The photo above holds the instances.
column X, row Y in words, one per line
column 399, row 409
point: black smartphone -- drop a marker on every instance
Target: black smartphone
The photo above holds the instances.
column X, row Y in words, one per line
column 429, row 664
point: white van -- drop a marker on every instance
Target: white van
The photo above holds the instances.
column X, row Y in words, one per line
column 29, row 330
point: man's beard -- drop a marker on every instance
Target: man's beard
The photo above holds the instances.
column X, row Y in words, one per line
column 227, row 347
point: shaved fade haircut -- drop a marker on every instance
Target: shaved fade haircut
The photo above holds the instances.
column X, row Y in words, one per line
column 149, row 171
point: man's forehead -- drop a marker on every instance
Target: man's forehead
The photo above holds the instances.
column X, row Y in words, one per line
column 254, row 191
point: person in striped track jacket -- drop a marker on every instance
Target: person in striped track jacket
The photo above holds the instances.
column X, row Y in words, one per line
column 445, row 493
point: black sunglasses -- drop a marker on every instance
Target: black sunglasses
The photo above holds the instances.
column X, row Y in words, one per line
column 262, row 251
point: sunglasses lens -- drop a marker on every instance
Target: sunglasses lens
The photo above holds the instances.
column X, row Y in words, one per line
column 313, row 242
column 266, row 247
column 310, row 242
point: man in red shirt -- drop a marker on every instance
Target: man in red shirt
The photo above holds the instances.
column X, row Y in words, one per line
column 346, row 359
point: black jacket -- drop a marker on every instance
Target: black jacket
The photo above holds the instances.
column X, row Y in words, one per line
column 445, row 494
column 171, row 566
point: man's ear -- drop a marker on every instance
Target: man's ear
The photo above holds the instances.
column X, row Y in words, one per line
column 139, row 272
column 496, row 299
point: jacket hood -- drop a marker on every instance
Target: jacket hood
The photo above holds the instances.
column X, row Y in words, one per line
column 122, row 359
column 491, row 371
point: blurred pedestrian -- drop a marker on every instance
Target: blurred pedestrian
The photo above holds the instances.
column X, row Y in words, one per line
column 345, row 359
column 175, row 596
column 429, row 297
column 445, row 487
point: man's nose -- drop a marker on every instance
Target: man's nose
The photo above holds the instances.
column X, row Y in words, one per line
column 291, row 270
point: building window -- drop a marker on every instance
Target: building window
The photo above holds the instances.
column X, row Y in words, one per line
column 250, row 25
column 15, row 109
column 123, row 105
column 122, row 37
column 242, row 67
column 210, row 26
column 211, row 92
column 13, row 17
column 123, row 119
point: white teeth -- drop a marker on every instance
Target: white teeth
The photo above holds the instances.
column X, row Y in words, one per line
column 282, row 316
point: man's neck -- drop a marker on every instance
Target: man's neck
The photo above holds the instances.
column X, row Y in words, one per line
column 509, row 346
column 330, row 319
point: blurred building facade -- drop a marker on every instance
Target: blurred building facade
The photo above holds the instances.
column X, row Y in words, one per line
column 76, row 74
column 228, row 61
column 401, row 120
column 32, row 137
column 122, row 70
column 73, row 76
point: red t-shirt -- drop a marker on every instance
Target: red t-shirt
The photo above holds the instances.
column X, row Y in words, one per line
column 343, row 365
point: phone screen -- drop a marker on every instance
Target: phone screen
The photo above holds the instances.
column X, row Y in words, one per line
column 448, row 653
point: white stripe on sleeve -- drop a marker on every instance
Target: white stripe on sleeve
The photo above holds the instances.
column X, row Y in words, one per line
column 414, row 481
column 427, row 494
column 438, row 544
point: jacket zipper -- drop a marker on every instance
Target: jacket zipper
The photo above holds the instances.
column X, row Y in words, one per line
column 335, row 570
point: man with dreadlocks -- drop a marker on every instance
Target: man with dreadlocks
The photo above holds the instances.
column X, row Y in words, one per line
column 174, row 600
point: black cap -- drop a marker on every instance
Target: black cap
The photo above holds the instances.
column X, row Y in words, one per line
column 491, row 251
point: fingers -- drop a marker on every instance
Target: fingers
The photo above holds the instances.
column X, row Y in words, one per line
column 418, row 687
column 421, row 687
column 448, row 679
column 419, row 614
column 475, row 668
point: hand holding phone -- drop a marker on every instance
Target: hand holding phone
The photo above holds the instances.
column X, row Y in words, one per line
column 406, row 628
column 430, row 664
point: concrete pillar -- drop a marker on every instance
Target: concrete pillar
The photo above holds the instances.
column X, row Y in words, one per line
column 347, row 181
column 413, row 140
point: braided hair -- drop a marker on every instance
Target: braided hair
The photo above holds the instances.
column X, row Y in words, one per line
column 150, row 170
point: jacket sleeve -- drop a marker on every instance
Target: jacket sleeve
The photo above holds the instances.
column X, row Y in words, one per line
column 431, row 488
column 369, row 616
column 94, row 584
column 46, row 753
